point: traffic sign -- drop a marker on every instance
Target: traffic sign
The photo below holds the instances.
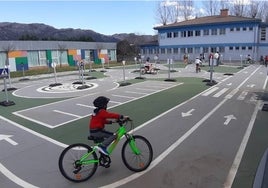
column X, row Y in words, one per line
column 4, row 72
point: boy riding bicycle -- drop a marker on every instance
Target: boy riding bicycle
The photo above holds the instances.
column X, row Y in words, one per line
column 99, row 119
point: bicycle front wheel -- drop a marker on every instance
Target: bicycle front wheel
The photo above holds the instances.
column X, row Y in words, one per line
column 137, row 161
column 77, row 164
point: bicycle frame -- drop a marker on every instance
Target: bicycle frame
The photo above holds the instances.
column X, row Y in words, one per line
column 120, row 133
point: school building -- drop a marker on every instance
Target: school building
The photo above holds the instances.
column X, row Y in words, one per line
column 234, row 37
column 34, row 54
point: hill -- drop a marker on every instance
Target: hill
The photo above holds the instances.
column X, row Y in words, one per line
column 38, row 31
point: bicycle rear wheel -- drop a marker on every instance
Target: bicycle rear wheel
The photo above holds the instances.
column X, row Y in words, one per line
column 141, row 161
column 73, row 167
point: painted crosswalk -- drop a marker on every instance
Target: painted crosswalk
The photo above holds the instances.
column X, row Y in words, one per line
column 229, row 93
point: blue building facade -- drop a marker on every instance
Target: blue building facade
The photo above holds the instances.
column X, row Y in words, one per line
column 234, row 37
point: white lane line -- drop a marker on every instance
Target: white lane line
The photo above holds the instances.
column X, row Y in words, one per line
column 166, row 152
column 221, row 92
column 210, row 91
column 232, row 173
column 145, row 89
column 242, row 96
column 115, row 102
column 83, row 105
column 232, row 93
column 66, row 113
column 123, row 96
column 140, row 93
column 15, row 178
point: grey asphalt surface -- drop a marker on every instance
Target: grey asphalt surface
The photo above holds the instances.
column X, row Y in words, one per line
column 191, row 151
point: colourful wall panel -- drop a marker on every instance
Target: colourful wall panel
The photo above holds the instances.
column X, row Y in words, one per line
column 17, row 54
column 21, row 62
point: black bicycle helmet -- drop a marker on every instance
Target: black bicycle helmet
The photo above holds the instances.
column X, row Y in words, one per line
column 101, row 102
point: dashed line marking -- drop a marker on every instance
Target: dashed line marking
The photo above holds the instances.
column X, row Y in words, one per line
column 221, row 92
column 210, row 91
column 66, row 113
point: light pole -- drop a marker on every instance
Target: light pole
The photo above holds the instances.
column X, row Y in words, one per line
column 241, row 61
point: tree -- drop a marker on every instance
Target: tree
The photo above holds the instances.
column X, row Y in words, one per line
column 126, row 51
column 211, row 7
column 172, row 11
column 62, row 48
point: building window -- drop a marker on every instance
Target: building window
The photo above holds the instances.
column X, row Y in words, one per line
column 175, row 50
column 175, row 34
column 183, row 50
column 169, row 35
column 244, row 28
column 222, row 31
column 169, row 51
column 206, row 32
column 197, row 50
column 197, row 33
column 214, row 32
column 263, row 33
column 190, row 33
column 162, row 36
column 231, row 29
column 221, row 49
column 231, row 48
column 213, row 49
column 163, row 51
column 205, row 50
column 250, row 28
column 237, row 48
column 183, row 34
column 238, row 29
column 243, row 48
column 190, row 50
column 249, row 47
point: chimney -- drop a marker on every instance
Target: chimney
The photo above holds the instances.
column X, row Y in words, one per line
column 224, row 12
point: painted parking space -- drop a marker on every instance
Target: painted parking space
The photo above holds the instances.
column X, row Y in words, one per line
column 66, row 111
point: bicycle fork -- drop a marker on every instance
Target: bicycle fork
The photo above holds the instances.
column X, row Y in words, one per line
column 133, row 145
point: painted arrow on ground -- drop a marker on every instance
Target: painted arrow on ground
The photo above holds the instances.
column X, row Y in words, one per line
column 189, row 113
column 228, row 119
column 8, row 139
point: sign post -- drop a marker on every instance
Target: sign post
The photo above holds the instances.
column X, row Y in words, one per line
column 4, row 74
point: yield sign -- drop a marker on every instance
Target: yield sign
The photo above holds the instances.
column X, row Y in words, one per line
column 8, row 139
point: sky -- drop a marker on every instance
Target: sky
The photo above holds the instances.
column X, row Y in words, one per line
column 105, row 17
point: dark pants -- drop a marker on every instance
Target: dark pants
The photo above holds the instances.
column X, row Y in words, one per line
column 109, row 137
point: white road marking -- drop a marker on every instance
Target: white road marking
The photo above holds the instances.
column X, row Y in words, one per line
column 83, row 105
column 136, row 92
column 123, row 96
column 8, row 139
column 221, row 92
column 242, row 96
column 66, row 113
column 232, row 93
column 15, row 178
column 210, row 91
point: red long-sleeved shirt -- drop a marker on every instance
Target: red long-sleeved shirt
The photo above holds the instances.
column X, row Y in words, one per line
column 99, row 120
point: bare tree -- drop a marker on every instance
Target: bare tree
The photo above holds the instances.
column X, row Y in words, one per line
column 7, row 49
column 211, row 7
column 238, row 8
column 187, row 8
column 62, row 48
column 163, row 13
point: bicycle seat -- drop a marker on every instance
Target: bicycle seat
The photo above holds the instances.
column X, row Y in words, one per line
column 95, row 139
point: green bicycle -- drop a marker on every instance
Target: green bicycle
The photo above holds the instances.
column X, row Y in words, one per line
column 78, row 162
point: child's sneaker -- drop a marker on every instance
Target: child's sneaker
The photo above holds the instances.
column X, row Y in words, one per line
column 103, row 150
